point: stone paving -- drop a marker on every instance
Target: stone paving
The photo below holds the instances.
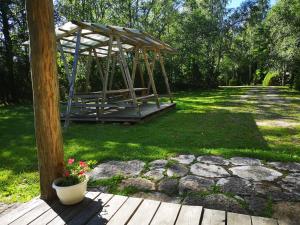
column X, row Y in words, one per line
column 238, row 184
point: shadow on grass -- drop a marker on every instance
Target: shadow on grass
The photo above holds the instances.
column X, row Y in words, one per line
column 218, row 132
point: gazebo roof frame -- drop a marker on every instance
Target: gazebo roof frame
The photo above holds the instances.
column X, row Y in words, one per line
column 96, row 36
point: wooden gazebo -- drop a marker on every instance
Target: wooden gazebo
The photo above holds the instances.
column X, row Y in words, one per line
column 112, row 46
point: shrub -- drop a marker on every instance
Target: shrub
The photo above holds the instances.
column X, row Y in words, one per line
column 233, row 82
column 272, row 79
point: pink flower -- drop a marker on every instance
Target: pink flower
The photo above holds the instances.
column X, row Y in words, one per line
column 70, row 161
column 67, row 173
column 81, row 172
column 82, row 164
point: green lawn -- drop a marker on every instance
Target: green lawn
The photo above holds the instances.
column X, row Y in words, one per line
column 210, row 122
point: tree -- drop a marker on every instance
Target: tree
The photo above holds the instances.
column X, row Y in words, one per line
column 45, row 93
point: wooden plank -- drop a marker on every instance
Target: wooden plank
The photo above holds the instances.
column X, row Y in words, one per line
column 99, row 66
column 135, row 62
column 73, row 210
column 20, row 211
column 123, row 72
column 238, row 219
column 125, row 212
column 88, row 72
column 189, row 215
column 213, row 217
column 73, row 76
column 256, row 220
column 166, row 214
column 165, row 76
column 105, row 82
column 145, row 213
column 113, row 71
column 64, row 60
column 150, row 74
column 32, row 214
column 91, row 210
column 126, row 70
column 108, row 211
column 49, row 215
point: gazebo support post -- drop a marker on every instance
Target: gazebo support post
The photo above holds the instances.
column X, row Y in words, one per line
column 127, row 74
column 123, row 72
column 106, row 73
column 150, row 74
column 141, row 75
column 45, row 94
column 88, row 72
column 72, row 84
column 152, row 65
column 114, row 58
column 161, row 60
column 99, row 67
column 135, row 62
column 64, row 60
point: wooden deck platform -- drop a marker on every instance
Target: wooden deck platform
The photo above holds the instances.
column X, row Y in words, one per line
column 147, row 110
column 99, row 208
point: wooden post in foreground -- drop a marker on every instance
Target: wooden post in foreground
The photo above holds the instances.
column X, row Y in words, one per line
column 45, row 93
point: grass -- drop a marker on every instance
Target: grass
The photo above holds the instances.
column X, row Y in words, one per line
column 207, row 122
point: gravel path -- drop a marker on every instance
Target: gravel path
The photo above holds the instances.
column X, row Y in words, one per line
column 271, row 107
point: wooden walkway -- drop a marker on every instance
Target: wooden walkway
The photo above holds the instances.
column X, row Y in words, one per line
column 99, row 208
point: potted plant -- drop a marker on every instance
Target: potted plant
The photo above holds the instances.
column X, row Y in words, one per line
column 71, row 188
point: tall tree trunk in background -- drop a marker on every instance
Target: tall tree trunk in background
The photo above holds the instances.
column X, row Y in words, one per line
column 45, row 93
column 250, row 73
column 10, row 86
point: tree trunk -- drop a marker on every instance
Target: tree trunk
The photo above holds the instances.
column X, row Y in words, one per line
column 8, row 53
column 45, row 93
column 250, row 73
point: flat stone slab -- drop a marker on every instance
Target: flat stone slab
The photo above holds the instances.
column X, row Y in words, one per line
column 155, row 174
column 177, row 170
column 267, row 190
column 215, row 160
column 194, row 183
column 205, row 170
column 168, row 186
column 113, row 168
column 158, row 164
column 244, row 161
column 289, row 166
column 139, row 183
column 287, row 212
column 235, row 185
column 291, row 183
column 255, row 173
column 256, row 204
column 158, row 196
column 215, row 201
column 184, row 159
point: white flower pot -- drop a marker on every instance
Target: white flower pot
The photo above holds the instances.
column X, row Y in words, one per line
column 71, row 194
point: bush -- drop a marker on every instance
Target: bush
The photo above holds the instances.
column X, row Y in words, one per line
column 272, row 79
column 233, row 82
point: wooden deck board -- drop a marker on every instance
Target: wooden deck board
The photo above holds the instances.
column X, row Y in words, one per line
column 213, row 217
column 145, row 213
column 94, row 207
column 124, row 115
column 123, row 215
column 71, row 211
column 19, row 211
column 237, row 219
column 99, row 208
column 108, row 211
column 166, row 214
column 189, row 215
